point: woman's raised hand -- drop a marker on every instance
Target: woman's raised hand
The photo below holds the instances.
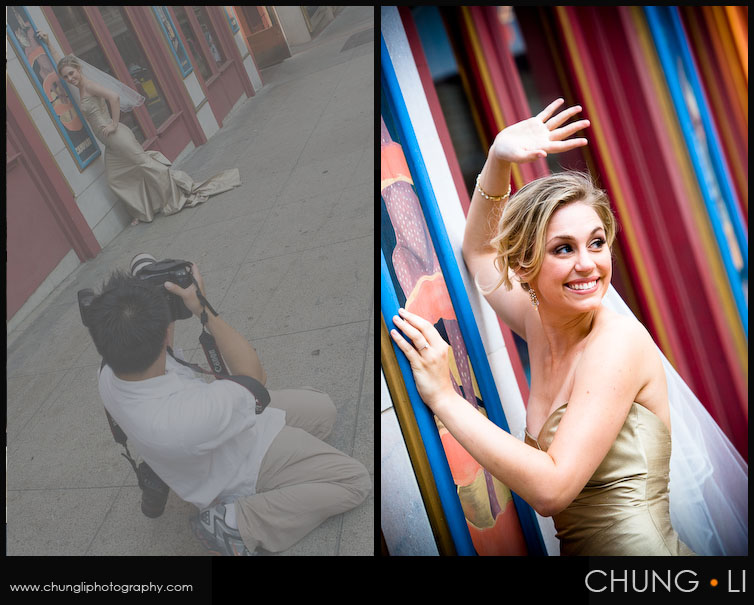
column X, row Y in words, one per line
column 428, row 355
column 44, row 37
column 536, row 137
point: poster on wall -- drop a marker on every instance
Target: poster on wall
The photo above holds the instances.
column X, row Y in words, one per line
column 54, row 93
column 174, row 41
column 230, row 13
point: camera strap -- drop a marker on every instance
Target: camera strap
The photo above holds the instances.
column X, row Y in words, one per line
column 211, row 352
column 256, row 388
column 119, row 435
column 216, row 361
column 205, row 303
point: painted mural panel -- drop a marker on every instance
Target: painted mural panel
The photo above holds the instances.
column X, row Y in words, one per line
column 37, row 61
column 415, row 273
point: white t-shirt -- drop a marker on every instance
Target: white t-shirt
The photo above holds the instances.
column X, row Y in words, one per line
column 204, row 440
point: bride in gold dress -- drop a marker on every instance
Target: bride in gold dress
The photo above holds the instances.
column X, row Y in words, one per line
column 142, row 180
column 597, row 447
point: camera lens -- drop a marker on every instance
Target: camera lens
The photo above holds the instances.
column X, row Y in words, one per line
column 140, row 261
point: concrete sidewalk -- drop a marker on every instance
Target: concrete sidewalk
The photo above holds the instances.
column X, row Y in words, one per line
column 287, row 259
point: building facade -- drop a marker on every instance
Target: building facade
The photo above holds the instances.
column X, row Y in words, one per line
column 271, row 31
column 191, row 63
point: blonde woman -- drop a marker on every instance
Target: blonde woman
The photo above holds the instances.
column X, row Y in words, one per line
column 597, row 447
column 142, row 180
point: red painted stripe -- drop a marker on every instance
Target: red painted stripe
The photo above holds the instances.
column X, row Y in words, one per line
column 507, row 85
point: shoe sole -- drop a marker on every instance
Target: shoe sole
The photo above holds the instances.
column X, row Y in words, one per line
column 199, row 535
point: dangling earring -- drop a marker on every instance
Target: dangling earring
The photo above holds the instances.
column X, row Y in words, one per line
column 533, row 297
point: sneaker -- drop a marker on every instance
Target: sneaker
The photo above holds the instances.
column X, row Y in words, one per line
column 211, row 530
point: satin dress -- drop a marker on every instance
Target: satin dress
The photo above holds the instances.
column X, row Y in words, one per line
column 142, row 180
column 624, row 509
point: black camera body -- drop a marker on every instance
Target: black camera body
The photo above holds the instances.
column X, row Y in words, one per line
column 155, row 273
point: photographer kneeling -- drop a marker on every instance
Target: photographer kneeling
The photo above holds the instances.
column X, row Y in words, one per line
column 259, row 479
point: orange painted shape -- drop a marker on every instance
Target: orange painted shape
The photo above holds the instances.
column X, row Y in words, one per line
column 64, row 109
column 393, row 163
column 504, row 538
column 462, row 466
column 430, row 299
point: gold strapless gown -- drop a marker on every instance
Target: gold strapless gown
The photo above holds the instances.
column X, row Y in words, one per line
column 141, row 179
column 624, row 508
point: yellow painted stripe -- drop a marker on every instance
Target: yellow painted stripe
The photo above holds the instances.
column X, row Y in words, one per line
column 612, row 175
column 468, row 91
column 484, row 73
column 691, row 186
column 399, row 179
column 731, row 57
column 739, row 26
column 414, row 443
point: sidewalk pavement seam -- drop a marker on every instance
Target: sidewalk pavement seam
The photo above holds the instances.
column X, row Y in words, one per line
column 104, row 520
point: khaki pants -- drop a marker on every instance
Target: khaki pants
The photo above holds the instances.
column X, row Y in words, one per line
column 302, row 480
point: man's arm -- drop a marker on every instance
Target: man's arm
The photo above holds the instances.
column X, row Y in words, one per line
column 235, row 349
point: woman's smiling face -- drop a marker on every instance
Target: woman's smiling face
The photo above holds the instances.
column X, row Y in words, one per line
column 71, row 75
column 577, row 264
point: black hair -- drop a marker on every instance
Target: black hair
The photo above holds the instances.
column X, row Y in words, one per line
column 128, row 323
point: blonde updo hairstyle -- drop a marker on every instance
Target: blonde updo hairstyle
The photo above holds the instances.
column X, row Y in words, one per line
column 522, row 228
column 69, row 60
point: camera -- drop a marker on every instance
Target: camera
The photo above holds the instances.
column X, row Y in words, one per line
column 155, row 273
column 154, row 491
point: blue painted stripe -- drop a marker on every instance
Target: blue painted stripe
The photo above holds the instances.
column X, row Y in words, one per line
column 669, row 46
column 453, row 280
column 713, row 142
column 438, row 462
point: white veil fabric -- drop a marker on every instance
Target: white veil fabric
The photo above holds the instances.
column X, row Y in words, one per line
column 128, row 97
column 709, row 496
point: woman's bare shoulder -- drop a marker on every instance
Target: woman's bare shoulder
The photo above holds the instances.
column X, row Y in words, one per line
column 93, row 89
column 624, row 340
column 609, row 324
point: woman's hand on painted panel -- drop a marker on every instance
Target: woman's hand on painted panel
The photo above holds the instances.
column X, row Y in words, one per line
column 427, row 353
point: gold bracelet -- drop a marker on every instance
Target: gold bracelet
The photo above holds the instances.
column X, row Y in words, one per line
column 492, row 198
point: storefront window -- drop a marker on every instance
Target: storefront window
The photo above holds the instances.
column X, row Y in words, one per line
column 258, row 19
column 79, row 34
column 143, row 77
column 209, row 34
column 194, row 46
